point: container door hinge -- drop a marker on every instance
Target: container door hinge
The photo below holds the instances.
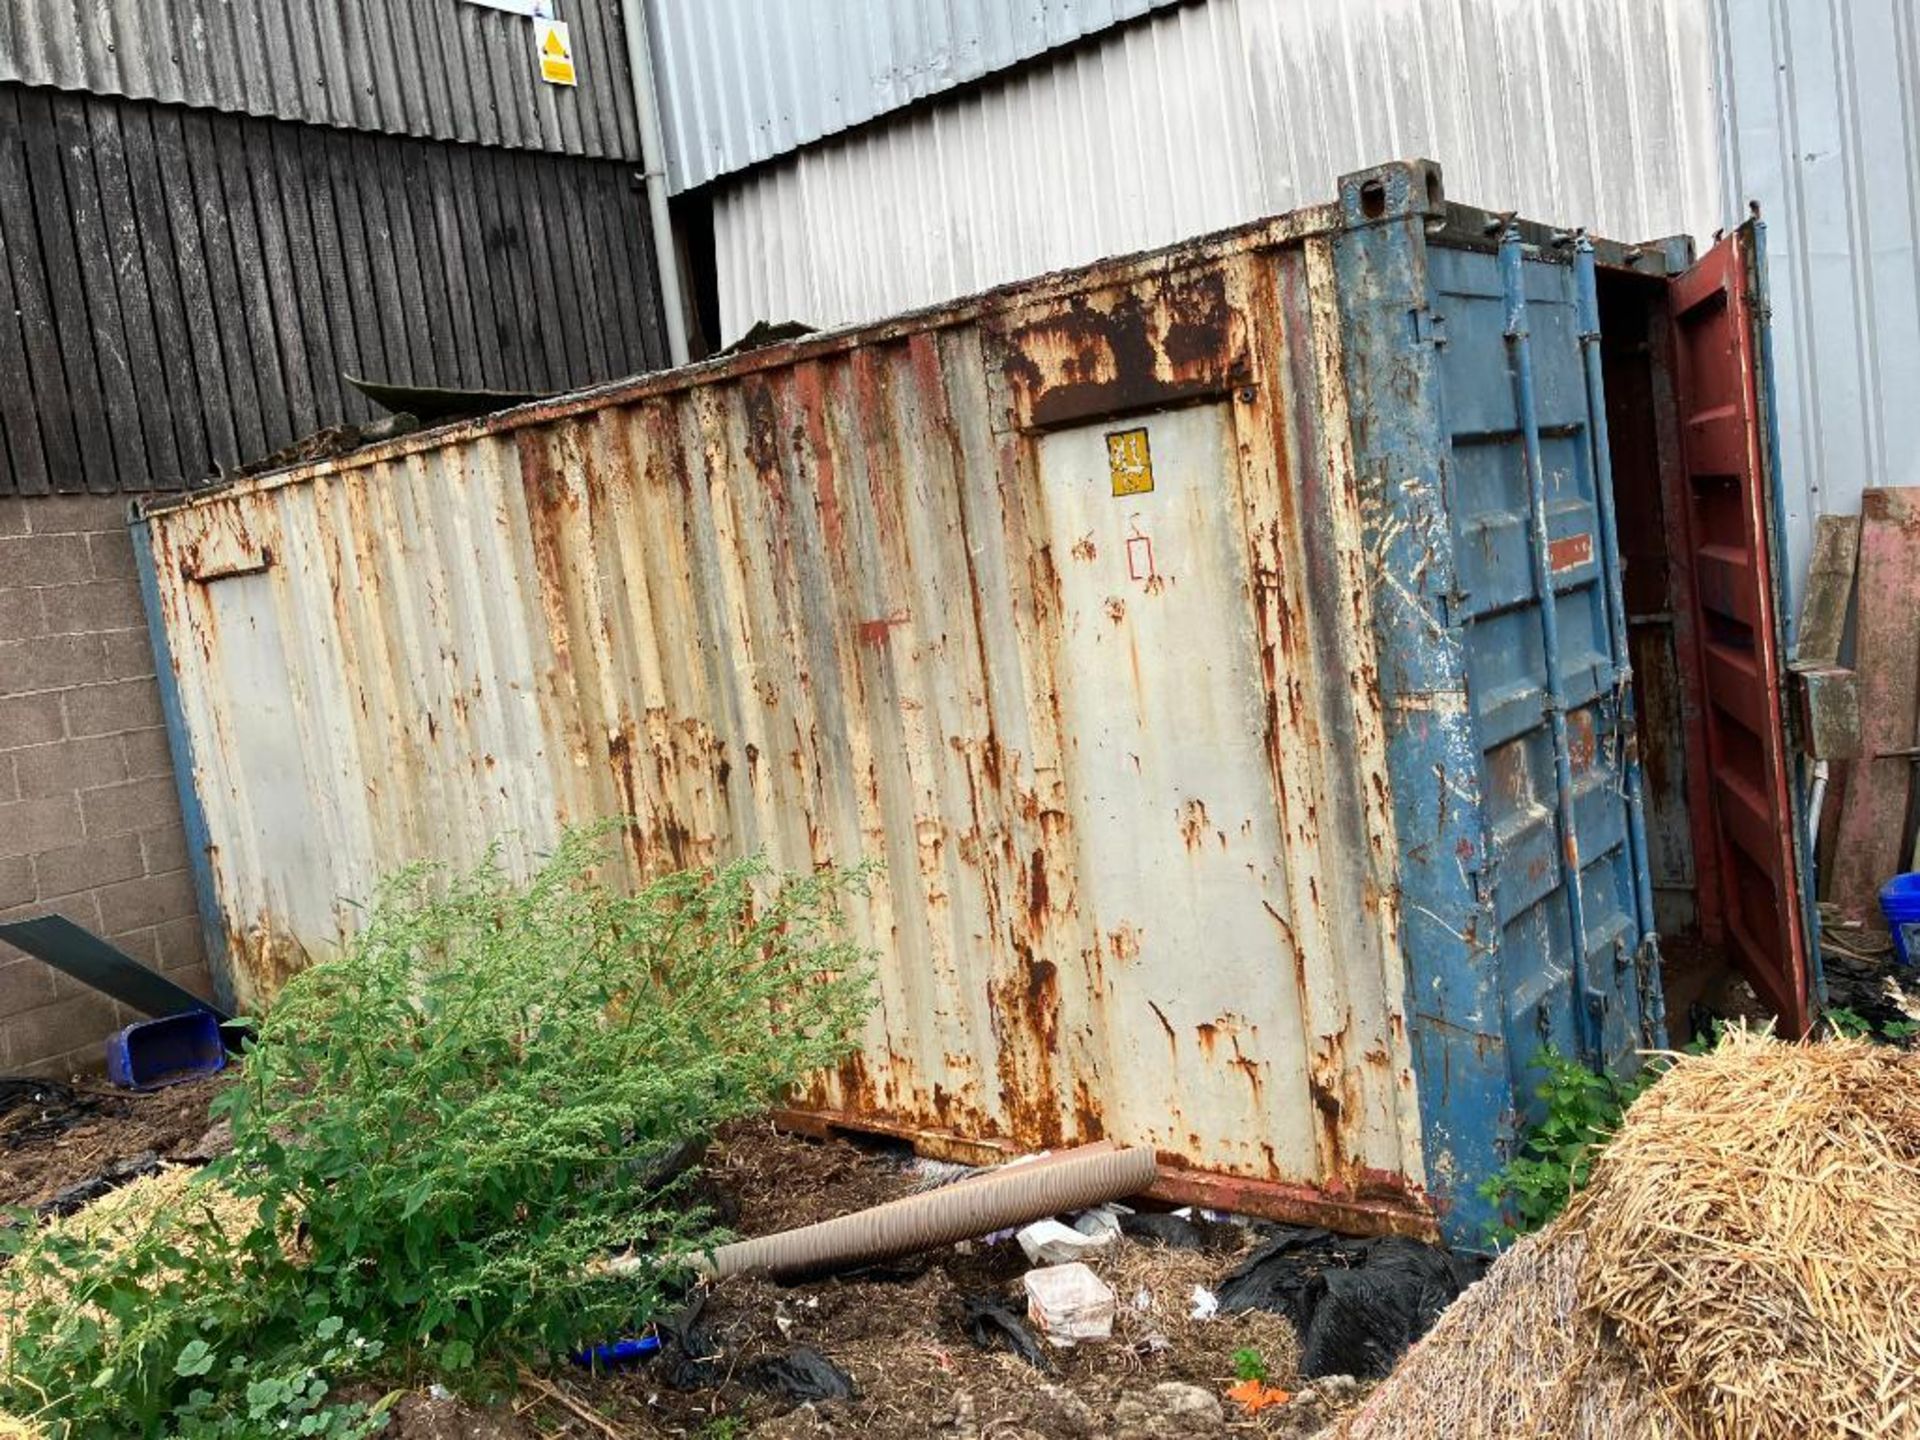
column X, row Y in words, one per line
column 1429, row 327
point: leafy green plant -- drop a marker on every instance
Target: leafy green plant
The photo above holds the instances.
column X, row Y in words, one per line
column 1848, row 1024
column 1851, row 1024
column 439, row 1139
column 1583, row 1109
column 1249, row 1364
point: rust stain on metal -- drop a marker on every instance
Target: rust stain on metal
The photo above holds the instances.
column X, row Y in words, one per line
column 812, row 606
column 874, row 632
column 1111, row 352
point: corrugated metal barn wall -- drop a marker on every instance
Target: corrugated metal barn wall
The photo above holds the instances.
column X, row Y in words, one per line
column 182, row 290
column 743, row 81
column 1210, row 114
column 1822, row 127
column 444, row 69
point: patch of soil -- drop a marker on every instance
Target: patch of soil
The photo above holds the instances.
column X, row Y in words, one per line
column 899, row 1331
column 430, row 1417
column 118, row 1126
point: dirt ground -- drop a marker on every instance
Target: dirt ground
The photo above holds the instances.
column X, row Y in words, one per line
column 70, row 1133
column 899, row 1332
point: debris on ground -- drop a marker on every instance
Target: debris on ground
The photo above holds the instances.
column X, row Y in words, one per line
column 930, row 1345
column 1253, row 1396
column 82, row 1131
column 1742, row 1263
column 82, row 1193
column 802, row 1375
column 1048, row 1242
column 990, row 1324
column 1069, row 1303
column 1357, row 1304
column 33, row 1110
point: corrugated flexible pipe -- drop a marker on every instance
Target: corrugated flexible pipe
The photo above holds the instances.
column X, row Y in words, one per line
column 977, row 1206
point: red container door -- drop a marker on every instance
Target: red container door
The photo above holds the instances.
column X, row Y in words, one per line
column 1751, row 833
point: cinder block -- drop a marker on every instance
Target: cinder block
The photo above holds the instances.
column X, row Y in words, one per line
column 13, row 516
column 25, row 984
column 66, row 765
column 114, row 709
column 165, row 848
column 134, row 805
column 30, row 827
column 137, row 904
column 180, row 942
column 16, row 882
column 79, row 908
column 196, row 979
column 46, row 560
column 129, row 654
column 76, row 514
column 85, row 1063
column 30, row 720
column 80, row 1023
column 76, row 868
column 147, row 753
column 22, row 615
column 98, row 605
column 51, row 662
column 112, row 555
column 1829, row 701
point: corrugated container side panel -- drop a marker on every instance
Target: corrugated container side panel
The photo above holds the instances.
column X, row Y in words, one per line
column 442, row 69
column 1207, row 115
column 878, row 603
column 1821, row 127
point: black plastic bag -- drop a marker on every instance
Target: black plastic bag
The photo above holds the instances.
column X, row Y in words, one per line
column 1357, row 1304
column 989, row 1323
column 800, row 1375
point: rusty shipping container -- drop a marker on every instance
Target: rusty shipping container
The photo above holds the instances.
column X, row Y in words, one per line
column 1169, row 630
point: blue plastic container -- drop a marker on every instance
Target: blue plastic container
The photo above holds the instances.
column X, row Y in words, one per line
column 161, row 1052
column 620, row 1352
column 1900, row 903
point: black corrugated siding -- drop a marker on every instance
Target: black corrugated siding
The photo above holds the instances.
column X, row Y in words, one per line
column 181, row 290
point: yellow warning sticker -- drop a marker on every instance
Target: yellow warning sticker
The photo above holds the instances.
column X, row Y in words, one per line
column 1130, row 462
column 555, row 49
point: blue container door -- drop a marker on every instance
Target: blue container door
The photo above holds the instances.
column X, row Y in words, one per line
column 1524, row 517
column 1526, row 907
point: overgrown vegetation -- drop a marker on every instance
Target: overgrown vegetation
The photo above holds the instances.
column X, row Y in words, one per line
column 438, row 1137
column 1583, row 1108
column 1851, row 1024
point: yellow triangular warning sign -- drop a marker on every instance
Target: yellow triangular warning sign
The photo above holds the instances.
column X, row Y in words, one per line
column 553, row 48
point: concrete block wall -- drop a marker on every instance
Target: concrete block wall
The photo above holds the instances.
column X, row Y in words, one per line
column 89, row 819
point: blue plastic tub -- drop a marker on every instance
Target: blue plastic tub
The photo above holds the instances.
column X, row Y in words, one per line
column 1900, row 903
column 163, row 1052
column 620, row 1352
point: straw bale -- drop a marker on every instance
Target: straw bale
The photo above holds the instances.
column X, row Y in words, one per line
column 1513, row 1356
column 1753, row 1234
column 1746, row 1262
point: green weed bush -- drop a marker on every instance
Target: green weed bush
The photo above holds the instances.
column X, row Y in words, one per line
column 438, row 1136
column 1555, row 1160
